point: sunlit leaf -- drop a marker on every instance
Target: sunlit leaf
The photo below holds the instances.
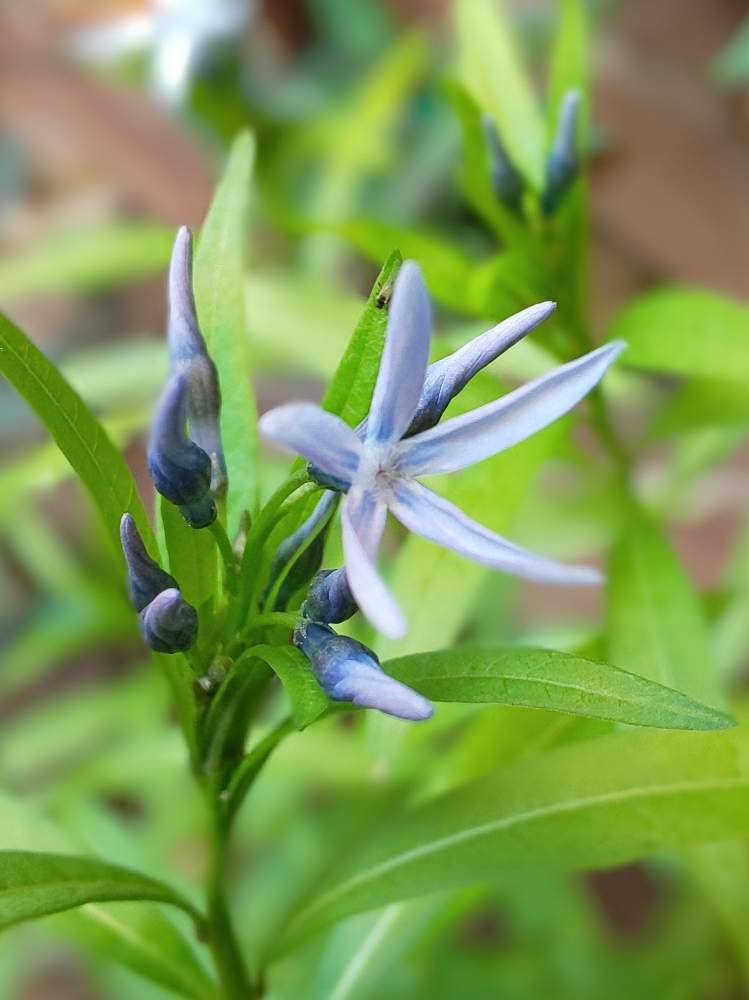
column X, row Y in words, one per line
column 546, row 679
column 308, row 701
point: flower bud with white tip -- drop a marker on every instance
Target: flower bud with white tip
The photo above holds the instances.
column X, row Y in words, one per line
column 169, row 624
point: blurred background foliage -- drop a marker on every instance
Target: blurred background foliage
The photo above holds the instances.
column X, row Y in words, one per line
column 114, row 120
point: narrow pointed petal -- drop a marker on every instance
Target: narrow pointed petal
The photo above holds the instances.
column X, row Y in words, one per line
column 145, row 578
column 404, row 359
column 446, row 378
column 320, row 437
column 475, row 436
column 362, row 519
column 349, row 671
column 434, row 518
column 188, row 356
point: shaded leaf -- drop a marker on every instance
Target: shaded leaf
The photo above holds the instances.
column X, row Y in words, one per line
column 308, row 700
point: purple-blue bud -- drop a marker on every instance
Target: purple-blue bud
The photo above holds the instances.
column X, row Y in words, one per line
column 188, row 356
column 180, row 469
column 348, row 671
column 145, row 578
column 507, row 181
column 329, row 598
column 169, row 624
column 562, row 164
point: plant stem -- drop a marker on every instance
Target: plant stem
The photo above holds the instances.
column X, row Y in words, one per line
column 222, row 938
column 227, row 554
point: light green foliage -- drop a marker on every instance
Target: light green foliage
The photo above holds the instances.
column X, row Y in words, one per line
column 306, row 696
column 686, row 331
column 219, row 271
column 546, row 679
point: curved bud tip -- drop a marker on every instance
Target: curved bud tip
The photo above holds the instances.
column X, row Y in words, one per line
column 349, row 671
column 145, row 578
column 169, row 624
column 183, row 333
column 329, row 598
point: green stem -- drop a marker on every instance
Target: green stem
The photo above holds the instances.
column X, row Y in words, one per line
column 256, row 539
column 227, row 554
column 250, row 766
column 222, row 939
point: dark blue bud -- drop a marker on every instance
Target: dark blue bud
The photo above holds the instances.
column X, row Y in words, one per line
column 329, row 598
column 348, row 671
column 145, row 578
column 562, row 164
column 328, row 482
column 188, row 356
column 507, row 181
column 181, row 471
column 169, row 624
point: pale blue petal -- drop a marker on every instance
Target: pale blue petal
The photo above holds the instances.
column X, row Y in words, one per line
column 321, row 437
column 362, row 519
column 434, row 518
column 475, row 436
column 369, row 686
column 446, row 378
column 404, row 359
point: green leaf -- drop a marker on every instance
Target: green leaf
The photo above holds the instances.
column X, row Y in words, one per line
column 589, row 805
column 308, row 700
column 34, row 885
column 686, row 331
column 87, row 260
column 491, row 70
column 703, row 402
column 656, row 627
column 219, row 280
column 547, row 679
column 142, row 939
column 77, row 433
column 350, row 391
column 192, row 554
column 570, row 67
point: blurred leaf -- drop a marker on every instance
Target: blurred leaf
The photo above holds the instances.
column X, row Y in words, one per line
column 685, row 331
column 142, row 939
column 350, row 391
column 547, row 679
column 192, row 554
column 308, row 700
column 722, row 873
column 88, row 260
column 34, row 885
column 491, row 70
column 731, row 68
column 78, row 434
column 702, row 402
column 656, row 627
column 569, row 63
column 447, row 271
column 587, row 805
column 219, row 275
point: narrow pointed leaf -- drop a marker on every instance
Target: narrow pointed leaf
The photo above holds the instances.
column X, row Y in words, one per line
column 77, row 433
column 34, row 885
column 308, row 700
column 638, row 792
column 219, row 281
column 550, row 680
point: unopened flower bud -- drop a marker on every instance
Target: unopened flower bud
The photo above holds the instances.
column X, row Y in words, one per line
column 188, row 356
column 145, row 578
column 348, row 671
column 180, row 469
column 506, row 179
column 169, row 624
column 329, row 598
column 562, row 164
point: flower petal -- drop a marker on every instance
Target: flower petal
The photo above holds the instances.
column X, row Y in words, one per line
column 363, row 519
column 369, row 686
column 475, row 436
column 404, row 359
column 321, row 437
column 434, row 518
column 446, row 378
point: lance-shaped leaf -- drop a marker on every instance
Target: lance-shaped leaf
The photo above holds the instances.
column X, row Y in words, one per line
column 34, row 885
column 550, row 680
column 585, row 805
column 77, row 433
